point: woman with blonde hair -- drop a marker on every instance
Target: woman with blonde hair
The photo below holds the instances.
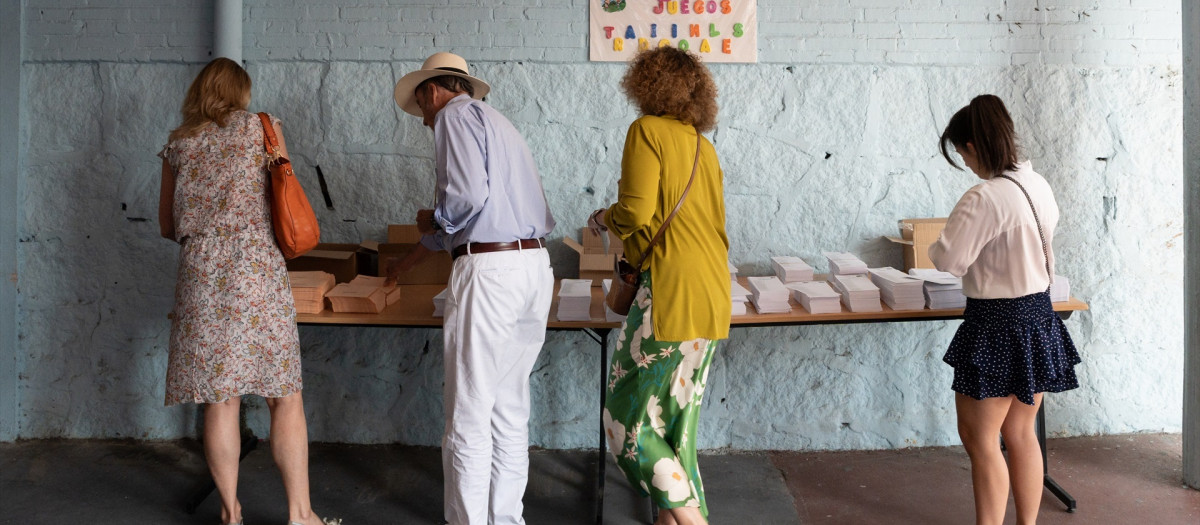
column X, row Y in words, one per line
column 659, row 369
column 233, row 327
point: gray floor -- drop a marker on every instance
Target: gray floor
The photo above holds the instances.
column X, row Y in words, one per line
column 1118, row 480
column 119, row 482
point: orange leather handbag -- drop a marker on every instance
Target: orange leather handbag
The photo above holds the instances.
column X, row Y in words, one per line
column 292, row 217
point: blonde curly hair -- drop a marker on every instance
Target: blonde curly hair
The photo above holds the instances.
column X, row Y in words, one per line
column 666, row 81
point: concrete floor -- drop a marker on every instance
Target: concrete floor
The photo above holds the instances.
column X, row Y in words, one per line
column 1116, row 479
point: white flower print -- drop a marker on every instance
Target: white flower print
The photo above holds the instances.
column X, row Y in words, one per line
column 644, row 487
column 633, row 434
column 615, row 432
column 643, row 297
column 669, row 477
column 654, row 412
column 693, row 353
column 692, row 503
column 682, row 387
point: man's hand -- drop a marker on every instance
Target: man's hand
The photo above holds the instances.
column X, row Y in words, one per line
column 426, row 224
column 595, row 221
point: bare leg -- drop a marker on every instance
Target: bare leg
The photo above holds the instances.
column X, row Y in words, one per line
column 979, row 424
column 289, row 446
column 684, row 516
column 665, row 518
column 222, row 449
column 1024, row 459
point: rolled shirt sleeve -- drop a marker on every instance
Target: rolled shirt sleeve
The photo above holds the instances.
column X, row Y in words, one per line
column 462, row 185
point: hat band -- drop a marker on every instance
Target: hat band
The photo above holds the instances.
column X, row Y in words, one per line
column 453, row 69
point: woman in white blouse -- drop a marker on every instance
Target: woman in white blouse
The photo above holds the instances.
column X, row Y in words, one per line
column 1011, row 346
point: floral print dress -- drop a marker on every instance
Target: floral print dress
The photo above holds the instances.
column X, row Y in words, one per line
column 655, row 389
column 233, row 328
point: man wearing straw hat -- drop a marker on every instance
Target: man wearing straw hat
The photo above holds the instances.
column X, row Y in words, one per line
column 490, row 213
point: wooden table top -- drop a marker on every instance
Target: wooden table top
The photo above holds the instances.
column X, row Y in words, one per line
column 415, row 309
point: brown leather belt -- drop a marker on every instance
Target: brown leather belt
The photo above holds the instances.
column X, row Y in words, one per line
column 488, row 247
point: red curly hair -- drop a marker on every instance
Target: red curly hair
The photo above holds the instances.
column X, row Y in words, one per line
column 666, row 81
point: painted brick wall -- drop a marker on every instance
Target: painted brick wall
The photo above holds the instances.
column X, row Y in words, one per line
column 821, row 150
column 925, row 32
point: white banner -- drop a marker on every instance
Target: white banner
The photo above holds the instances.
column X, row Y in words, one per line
column 716, row 30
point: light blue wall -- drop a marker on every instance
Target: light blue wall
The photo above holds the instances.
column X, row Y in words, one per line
column 825, row 143
column 10, row 162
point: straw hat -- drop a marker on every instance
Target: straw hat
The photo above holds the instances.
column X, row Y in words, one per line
column 436, row 65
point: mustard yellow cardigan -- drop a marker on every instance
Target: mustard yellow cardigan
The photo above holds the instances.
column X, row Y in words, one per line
column 689, row 264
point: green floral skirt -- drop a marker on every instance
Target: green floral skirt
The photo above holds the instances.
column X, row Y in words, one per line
column 655, row 389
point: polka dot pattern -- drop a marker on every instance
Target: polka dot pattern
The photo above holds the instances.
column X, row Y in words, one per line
column 1012, row 347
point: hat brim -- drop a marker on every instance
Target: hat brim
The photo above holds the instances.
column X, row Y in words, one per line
column 405, row 88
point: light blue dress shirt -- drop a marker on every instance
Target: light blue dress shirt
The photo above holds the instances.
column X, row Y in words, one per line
column 488, row 189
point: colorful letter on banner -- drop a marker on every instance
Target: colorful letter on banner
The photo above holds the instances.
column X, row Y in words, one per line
column 732, row 23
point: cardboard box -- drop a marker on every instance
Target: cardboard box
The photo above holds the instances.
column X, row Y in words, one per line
column 916, row 235
column 344, row 261
column 402, row 239
column 594, row 262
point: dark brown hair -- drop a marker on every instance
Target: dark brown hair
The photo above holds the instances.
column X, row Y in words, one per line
column 666, row 81
column 985, row 124
column 221, row 88
column 450, row 83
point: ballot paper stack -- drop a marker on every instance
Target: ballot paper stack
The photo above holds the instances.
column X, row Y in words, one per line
column 609, row 315
column 942, row 289
column 739, row 294
column 575, row 300
column 1060, row 289
column 791, row 269
column 439, row 303
column 732, row 270
column 363, row 295
column 899, row 290
column 309, row 289
column 816, row 297
column 844, row 263
column 858, row 294
column 769, row 295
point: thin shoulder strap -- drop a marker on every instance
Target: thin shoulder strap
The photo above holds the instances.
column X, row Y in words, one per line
column 661, row 229
column 1036, row 220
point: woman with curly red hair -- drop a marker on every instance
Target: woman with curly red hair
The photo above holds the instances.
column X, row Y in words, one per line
column 656, row 384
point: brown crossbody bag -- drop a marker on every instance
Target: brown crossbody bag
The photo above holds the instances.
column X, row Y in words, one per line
column 625, row 275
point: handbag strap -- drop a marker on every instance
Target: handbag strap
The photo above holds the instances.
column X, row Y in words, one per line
column 1036, row 220
column 272, row 142
column 661, row 229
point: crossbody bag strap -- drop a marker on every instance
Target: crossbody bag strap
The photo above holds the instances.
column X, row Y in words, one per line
column 1036, row 220
column 661, row 229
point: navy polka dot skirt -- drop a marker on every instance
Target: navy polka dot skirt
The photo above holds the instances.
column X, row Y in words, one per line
column 1012, row 347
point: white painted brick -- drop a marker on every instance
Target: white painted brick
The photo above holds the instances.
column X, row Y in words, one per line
column 1161, row 46
column 368, row 13
column 1021, row 59
column 831, row 14
column 321, row 13
column 555, row 13
column 924, row 29
column 880, row 30
column 508, row 13
column 462, row 13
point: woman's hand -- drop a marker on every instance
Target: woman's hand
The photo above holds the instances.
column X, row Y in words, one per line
column 595, row 221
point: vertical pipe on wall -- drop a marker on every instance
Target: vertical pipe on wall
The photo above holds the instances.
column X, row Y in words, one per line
column 1191, row 235
column 227, row 30
column 10, row 168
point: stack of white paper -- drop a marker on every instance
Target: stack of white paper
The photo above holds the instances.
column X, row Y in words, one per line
column 899, row 290
column 942, row 289
column 1060, row 289
column 816, row 297
column 732, row 270
column 439, row 303
column 769, row 295
column 844, row 263
column 575, row 300
column 609, row 315
column 858, row 294
column 740, row 295
column 791, row 269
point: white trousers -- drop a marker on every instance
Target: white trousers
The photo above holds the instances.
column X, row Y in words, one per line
column 495, row 325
